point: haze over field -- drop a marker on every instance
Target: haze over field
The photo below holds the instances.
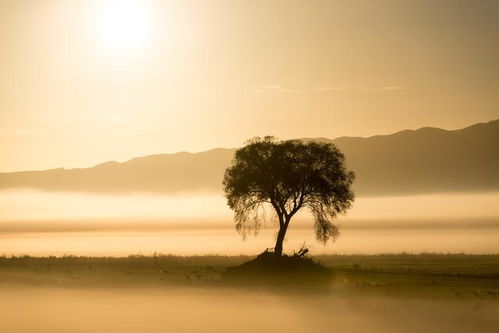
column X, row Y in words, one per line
column 153, row 310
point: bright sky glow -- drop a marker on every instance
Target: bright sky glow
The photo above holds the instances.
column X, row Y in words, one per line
column 124, row 25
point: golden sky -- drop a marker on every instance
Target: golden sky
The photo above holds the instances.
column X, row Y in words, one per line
column 83, row 82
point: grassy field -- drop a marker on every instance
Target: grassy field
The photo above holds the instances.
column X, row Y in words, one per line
column 424, row 275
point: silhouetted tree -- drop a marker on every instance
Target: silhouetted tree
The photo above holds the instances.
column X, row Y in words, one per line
column 288, row 176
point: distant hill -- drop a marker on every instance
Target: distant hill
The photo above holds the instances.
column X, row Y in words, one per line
column 426, row 160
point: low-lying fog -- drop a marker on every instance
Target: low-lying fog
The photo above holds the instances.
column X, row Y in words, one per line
column 230, row 310
column 51, row 223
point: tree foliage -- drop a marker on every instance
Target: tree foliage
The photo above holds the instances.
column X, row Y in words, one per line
column 288, row 176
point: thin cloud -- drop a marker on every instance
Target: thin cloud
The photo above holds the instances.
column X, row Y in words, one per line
column 273, row 87
column 394, row 88
column 281, row 89
column 331, row 89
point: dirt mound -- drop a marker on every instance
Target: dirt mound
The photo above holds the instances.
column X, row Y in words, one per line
column 269, row 269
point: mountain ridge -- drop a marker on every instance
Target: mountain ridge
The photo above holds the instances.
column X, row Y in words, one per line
column 425, row 160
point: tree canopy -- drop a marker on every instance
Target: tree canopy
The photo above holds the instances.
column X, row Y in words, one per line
column 288, row 176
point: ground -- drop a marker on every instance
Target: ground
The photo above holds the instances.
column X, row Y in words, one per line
column 425, row 275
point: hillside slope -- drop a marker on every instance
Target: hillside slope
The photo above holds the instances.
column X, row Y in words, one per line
column 408, row 162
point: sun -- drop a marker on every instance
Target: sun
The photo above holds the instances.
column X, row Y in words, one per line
column 123, row 25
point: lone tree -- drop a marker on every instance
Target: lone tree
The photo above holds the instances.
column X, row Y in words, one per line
column 288, row 176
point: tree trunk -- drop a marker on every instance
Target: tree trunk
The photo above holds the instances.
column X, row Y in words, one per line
column 280, row 238
column 278, row 243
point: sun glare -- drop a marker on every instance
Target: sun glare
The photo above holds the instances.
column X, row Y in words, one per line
column 123, row 25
